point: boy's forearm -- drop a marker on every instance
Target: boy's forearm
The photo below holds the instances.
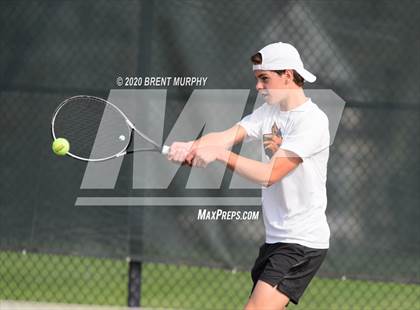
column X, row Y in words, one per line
column 225, row 139
column 265, row 174
column 253, row 170
column 212, row 139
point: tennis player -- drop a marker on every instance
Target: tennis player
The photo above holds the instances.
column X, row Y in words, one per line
column 295, row 136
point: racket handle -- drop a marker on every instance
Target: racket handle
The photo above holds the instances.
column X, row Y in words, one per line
column 165, row 150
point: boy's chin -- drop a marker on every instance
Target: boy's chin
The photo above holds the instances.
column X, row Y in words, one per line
column 270, row 101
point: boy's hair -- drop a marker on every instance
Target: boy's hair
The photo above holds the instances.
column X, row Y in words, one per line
column 297, row 78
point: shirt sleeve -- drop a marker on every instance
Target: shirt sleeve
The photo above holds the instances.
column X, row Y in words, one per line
column 252, row 123
column 308, row 137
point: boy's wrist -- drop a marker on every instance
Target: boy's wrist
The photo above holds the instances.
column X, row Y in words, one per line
column 223, row 155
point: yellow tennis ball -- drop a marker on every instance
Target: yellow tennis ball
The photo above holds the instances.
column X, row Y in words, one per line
column 60, row 146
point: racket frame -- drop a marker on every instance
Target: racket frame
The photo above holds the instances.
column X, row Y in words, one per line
column 130, row 126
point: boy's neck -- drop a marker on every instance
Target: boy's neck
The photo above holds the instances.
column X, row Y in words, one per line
column 295, row 98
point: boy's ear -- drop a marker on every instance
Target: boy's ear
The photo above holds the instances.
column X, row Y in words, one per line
column 289, row 74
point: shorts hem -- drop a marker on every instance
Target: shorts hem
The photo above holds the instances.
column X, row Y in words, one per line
column 282, row 289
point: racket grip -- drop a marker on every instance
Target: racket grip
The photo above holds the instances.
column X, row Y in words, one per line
column 165, row 150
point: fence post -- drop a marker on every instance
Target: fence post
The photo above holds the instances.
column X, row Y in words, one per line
column 134, row 284
column 145, row 44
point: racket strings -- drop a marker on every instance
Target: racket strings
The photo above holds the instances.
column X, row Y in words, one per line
column 94, row 128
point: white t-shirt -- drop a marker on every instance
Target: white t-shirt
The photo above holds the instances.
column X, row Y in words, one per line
column 294, row 207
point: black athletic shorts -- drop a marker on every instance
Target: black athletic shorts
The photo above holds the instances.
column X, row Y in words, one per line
column 288, row 266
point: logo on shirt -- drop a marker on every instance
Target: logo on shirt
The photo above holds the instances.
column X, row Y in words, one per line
column 272, row 141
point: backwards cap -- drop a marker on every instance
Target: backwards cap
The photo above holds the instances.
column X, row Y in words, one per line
column 283, row 56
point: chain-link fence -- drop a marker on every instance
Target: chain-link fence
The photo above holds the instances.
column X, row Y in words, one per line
column 162, row 256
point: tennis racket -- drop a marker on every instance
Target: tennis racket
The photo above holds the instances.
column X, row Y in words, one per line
column 97, row 129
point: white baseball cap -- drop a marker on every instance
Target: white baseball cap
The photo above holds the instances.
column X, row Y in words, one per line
column 282, row 56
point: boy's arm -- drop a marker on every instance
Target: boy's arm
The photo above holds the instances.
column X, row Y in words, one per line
column 265, row 174
column 223, row 139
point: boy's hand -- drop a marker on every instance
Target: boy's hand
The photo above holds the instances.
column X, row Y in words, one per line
column 179, row 151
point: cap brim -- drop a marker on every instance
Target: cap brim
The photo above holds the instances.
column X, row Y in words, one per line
column 308, row 76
